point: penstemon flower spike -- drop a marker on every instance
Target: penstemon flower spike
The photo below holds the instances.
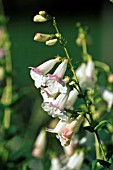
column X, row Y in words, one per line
column 59, row 96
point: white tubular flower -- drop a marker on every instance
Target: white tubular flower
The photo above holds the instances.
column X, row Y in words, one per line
column 80, row 72
column 55, row 164
column 61, row 69
column 108, row 97
column 51, row 42
column 46, row 96
column 41, row 37
column 55, row 82
column 65, row 130
column 76, row 161
column 39, row 144
column 71, row 99
column 85, row 74
column 56, row 108
column 90, row 68
column 38, row 72
column 60, row 125
column 68, row 131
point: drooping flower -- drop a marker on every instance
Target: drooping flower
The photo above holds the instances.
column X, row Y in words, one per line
column 39, row 144
column 56, row 108
column 69, row 130
column 85, row 74
column 71, row 99
column 55, row 83
column 38, row 73
column 65, row 130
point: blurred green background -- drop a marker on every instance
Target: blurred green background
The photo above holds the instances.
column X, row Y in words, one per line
column 28, row 117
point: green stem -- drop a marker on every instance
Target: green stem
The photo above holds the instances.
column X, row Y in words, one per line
column 84, row 47
column 65, row 49
column 7, row 94
column 91, row 121
column 97, row 147
column 101, row 146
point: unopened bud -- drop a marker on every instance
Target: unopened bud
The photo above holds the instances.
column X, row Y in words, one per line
column 41, row 37
column 51, row 42
column 42, row 13
column 39, row 18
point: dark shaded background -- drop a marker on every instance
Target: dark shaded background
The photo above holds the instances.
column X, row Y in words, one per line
column 58, row 7
column 97, row 15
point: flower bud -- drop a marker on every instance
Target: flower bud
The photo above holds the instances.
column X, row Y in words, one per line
column 39, row 18
column 42, row 13
column 42, row 37
column 51, row 42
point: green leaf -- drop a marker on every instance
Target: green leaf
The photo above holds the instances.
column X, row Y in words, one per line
column 102, row 162
column 94, row 164
column 100, row 124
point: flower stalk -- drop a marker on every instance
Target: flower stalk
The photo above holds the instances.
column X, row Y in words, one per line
column 86, row 56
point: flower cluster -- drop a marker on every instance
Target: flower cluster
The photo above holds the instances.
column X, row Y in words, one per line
column 57, row 97
column 59, row 91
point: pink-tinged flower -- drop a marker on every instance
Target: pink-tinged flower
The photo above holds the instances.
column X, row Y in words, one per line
column 39, row 144
column 60, row 70
column 55, row 83
column 38, row 72
column 66, row 130
column 55, row 164
column 46, row 95
column 108, row 97
column 42, row 37
column 75, row 161
column 51, row 42
column 71, row 99
column 56, row 108
column 60, row 125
